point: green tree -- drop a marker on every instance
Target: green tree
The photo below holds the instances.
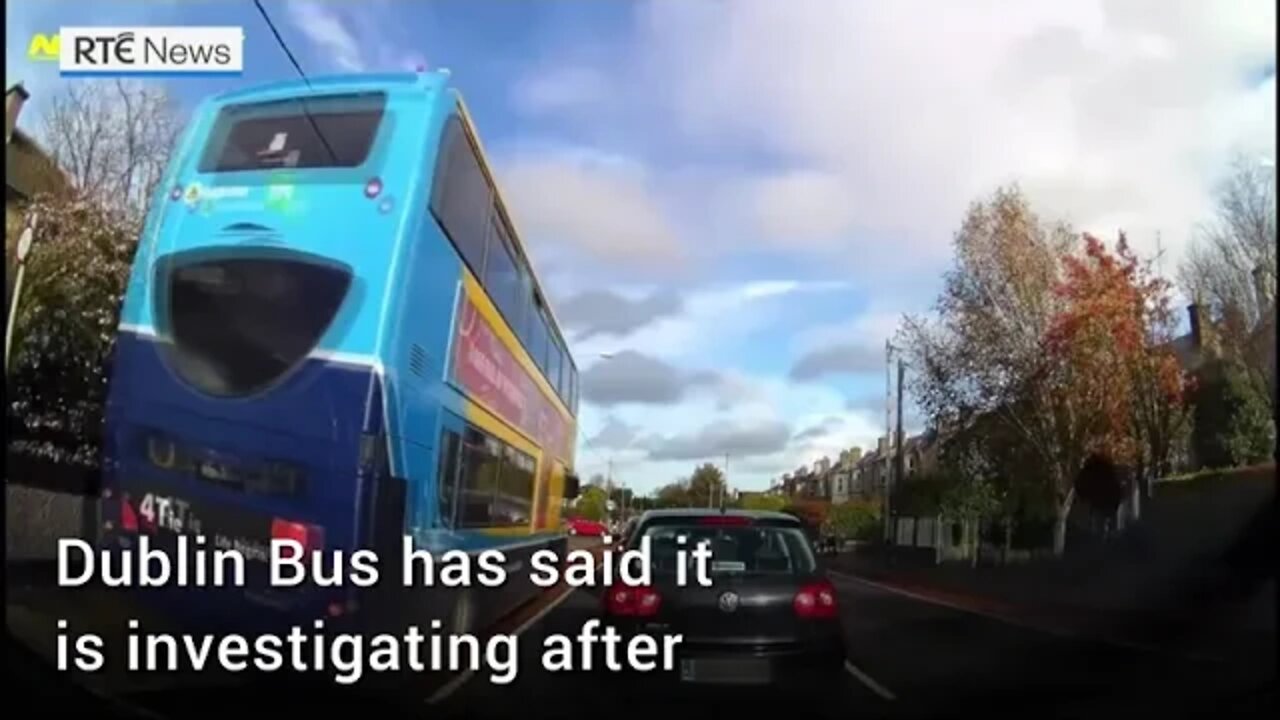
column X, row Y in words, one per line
column 1231, row 271
column 591, row 504
column 706, row 486
column 65, row 328
column 1232, row 423
column 971, row 501
column 853, row 520
column 672, row 495
column 759, row 501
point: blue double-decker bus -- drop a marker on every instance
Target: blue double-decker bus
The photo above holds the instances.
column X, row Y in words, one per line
column 333, row 334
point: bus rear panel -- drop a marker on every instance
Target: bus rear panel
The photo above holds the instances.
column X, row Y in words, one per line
column 247, row 398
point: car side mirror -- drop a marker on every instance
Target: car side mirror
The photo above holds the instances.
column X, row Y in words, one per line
column 572, row 486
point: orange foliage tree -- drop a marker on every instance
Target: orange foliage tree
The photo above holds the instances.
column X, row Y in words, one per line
column 1057, row 348
column 1111, row 340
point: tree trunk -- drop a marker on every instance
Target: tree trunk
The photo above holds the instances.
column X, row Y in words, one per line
column 975, row 540
column 1008, row 539
column 1060, row 523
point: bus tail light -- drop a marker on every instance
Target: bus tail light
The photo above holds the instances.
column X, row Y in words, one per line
column 128, row 518
column 310, row 537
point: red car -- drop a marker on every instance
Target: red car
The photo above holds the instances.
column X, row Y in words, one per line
column 586, row 528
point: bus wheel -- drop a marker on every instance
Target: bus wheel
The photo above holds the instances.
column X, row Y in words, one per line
column 463, row 611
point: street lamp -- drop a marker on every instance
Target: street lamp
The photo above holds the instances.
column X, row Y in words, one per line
column 24, row 247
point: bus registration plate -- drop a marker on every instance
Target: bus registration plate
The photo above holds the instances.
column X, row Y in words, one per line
column 168, row 513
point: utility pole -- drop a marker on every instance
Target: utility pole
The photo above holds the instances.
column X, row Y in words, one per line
column 899, row 469
column 724, row 483
column 888, row 409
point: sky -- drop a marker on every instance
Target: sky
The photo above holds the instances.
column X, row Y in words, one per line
column 733, row 204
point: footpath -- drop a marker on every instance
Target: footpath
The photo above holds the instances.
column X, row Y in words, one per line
column 1214, row 601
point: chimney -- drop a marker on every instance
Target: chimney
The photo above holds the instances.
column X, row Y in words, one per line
column 13, row 101
column 1193, row 315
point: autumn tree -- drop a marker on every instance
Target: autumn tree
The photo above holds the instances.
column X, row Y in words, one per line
column 983, row 353
column 113, row 139
column 1161, row 390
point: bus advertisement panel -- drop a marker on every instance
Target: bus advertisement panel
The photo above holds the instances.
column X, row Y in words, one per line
column 487, row 370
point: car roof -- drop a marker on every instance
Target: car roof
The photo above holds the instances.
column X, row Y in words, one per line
column 704, row 512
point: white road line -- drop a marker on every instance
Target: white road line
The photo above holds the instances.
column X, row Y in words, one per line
column 1048, row 630
column 869, row 681
column 458, row 681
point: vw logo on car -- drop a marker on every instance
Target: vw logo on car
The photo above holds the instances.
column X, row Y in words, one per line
column 729, row 602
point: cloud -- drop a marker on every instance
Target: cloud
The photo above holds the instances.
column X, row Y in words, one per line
column 605, row 312
column 714, row 324
column 1110, row 112
column 869, row 402
column 589, row 207
column 838, row 359
column 615, row 435
column 633, row 377
column 558, row 89
column 718, row 439
column 325, row 29
column 822, row 429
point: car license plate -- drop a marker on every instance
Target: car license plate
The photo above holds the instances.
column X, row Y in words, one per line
column 747, row 671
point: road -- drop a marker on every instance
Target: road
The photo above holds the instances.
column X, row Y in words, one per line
column 908, row 656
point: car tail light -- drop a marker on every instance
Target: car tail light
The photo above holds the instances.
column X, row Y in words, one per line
column 128, row 518
column 816, row 601
column 722, row 520
column 310, row 537
column 626, row 601
column 373, row 188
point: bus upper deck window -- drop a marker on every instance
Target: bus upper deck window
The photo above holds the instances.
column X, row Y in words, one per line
column 321, row 132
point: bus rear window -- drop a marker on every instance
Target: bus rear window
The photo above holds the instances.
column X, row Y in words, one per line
column 334, row 131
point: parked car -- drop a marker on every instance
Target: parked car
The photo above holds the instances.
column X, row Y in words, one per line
column 586, row 528
column 770, row 616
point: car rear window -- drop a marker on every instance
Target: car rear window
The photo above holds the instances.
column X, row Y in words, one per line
column 745, row 549
column 334, row 131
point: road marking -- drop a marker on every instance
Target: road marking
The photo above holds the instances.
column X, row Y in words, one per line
column 869, row 681
column 1047, row 629
column 459, row 680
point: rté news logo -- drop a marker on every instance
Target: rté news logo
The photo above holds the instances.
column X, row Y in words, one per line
column 85, row 51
